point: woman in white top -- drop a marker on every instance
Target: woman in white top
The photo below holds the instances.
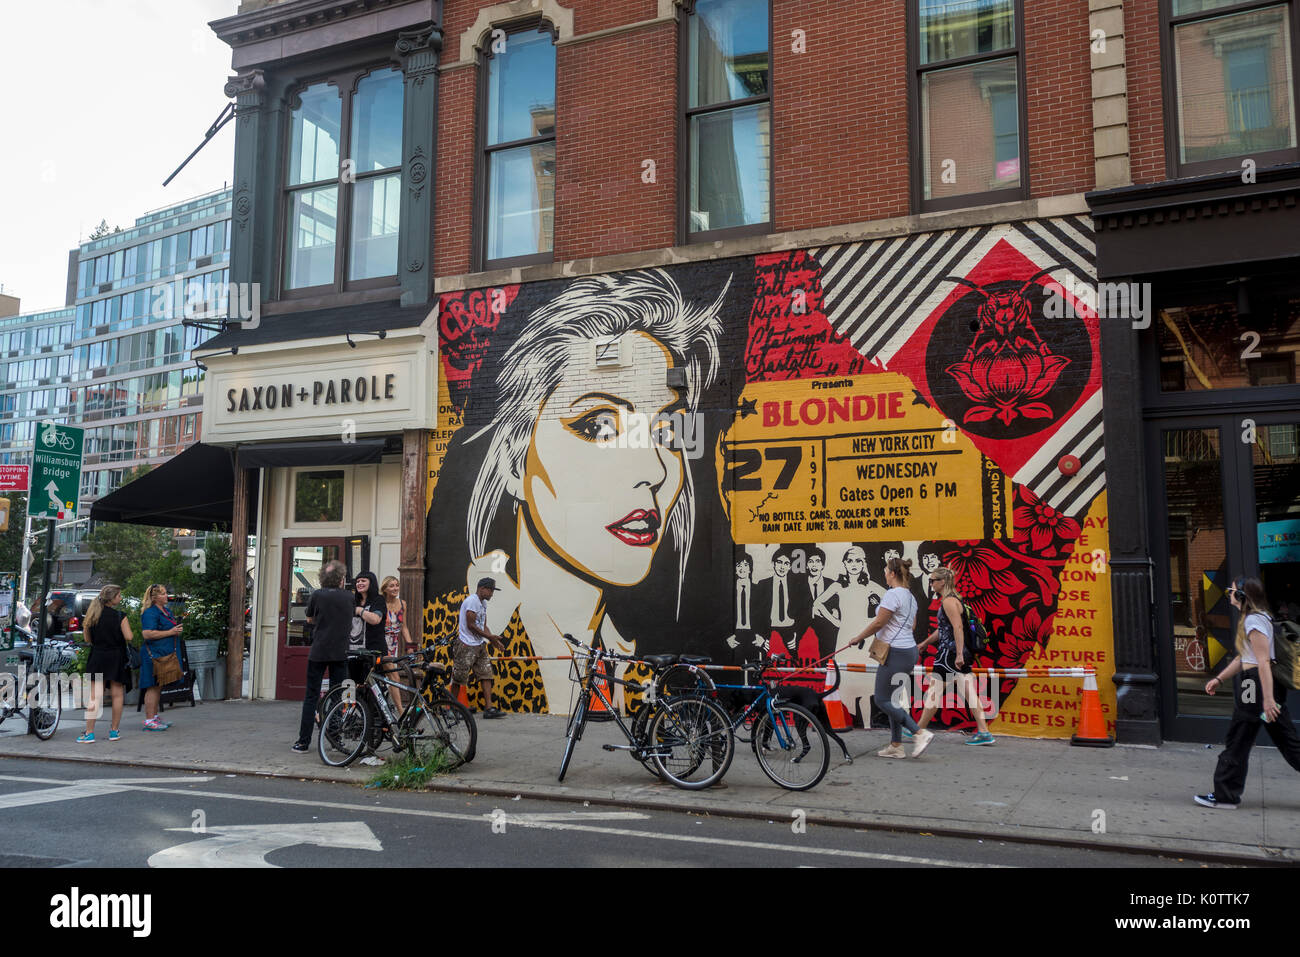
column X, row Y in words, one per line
column 895, row 621
column 1253, row 698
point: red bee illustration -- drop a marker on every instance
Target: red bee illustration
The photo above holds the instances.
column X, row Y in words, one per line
column 1007, row 367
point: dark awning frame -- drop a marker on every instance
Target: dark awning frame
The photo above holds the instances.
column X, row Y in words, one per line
column 194, row 489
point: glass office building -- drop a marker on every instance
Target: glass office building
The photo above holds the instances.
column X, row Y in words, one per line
column 116, row 359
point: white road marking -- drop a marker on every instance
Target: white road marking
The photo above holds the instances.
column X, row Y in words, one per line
column 246, row 845
column 71, row 790
column 558, row 826
column 546, row 820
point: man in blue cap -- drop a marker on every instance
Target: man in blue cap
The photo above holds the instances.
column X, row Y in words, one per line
column 469, row 649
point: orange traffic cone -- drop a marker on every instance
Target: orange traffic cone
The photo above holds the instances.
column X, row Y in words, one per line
column 836, row 712
column 596, row 710
column 462, row 696
column 1091, row 730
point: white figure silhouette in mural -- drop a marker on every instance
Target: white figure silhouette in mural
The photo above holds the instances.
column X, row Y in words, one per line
column 858, row 599
column 590, row 514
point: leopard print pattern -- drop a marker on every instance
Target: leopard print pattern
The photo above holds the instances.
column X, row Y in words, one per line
column 641, row 673
column 518, row 685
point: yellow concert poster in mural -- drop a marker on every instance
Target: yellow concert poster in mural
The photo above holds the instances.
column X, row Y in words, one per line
column 855, row 458
column 1077, row 636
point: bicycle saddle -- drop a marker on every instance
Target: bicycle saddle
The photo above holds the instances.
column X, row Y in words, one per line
column 695, row 659
column 659, row 662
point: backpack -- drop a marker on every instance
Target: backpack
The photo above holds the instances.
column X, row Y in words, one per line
column 977, row 636
column 1286, row 654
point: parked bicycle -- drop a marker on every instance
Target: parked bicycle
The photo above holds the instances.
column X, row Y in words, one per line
column 687, row 740
column 788, row 740
column 40, row 703
column 361, row 717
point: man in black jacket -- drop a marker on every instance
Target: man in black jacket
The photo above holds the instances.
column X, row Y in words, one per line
column 329, row 611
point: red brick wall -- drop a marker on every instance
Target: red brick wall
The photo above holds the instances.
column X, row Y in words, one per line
column 453, row 204
column 616, row 108
column 840, row 121
column 1146, row 131
column 839, row 113
column 1058, row 91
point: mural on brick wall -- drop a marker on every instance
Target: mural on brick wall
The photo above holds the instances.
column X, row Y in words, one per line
column 719, row 458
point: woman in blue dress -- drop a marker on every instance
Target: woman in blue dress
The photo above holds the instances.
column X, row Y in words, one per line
column 161, row 638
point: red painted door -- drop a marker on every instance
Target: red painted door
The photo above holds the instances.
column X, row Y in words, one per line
column 299, row 577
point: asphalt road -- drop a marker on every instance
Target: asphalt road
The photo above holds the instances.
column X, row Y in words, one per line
column 58, row 814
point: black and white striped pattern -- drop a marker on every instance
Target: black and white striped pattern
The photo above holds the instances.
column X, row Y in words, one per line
column 876, row 293
column 1081, row 436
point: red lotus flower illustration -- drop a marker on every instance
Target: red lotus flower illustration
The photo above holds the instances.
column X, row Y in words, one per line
column 1007, row 366
column 1006, row 382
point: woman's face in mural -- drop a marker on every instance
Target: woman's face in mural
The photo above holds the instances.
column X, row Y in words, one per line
column 929, row 561
column 854, row 562
column 599, row 497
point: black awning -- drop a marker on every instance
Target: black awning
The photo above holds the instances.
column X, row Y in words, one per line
column 194, row 489
column 268, row 455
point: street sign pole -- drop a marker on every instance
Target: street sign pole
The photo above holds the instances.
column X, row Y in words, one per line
column 27, row 547
column 45, row 588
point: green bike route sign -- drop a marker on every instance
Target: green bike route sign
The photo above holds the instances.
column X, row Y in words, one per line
column 56, row 472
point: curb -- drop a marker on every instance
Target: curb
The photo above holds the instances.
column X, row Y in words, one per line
column 1244, row 855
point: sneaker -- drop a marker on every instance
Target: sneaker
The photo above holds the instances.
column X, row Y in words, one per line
column 893, row 751
column 300, row 747
column 113, row 736
column 921, row 740
column 372, row 761
column 1208, row 800
column 87, row 738
column 982, row 738
column 493, row 713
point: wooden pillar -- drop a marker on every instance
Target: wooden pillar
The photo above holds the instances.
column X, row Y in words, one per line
column 238, row 575
column 410, row 570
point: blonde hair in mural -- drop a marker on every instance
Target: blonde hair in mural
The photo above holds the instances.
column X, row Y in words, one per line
column 588, row 309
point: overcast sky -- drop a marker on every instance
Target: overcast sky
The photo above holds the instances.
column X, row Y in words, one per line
column 99, row 101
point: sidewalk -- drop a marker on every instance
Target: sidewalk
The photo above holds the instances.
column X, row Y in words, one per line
column 1019, row 789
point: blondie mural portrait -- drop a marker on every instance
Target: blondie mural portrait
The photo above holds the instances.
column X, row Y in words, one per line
column 719, row 457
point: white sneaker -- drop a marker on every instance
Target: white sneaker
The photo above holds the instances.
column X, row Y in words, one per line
column 893, row 751
column 921, row 740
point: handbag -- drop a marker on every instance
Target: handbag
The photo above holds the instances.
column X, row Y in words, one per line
column 166, row 669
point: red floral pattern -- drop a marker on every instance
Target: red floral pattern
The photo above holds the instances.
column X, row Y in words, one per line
column 1013, row 586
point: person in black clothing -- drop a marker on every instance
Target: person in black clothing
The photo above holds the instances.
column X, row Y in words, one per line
column 1257, row 697
column 109, row 660
column 371, row 607
column 330, row 611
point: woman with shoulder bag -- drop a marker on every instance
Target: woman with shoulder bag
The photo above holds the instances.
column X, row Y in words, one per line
column 1252, row 699
column 952, row 656
column 161, row 631
column 110, row 658
column 896, row 653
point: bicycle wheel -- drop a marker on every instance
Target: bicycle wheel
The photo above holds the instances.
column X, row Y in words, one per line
column 443, row 728
column 693, row 742
column 43, row 718
column 574, row 732
column 792, row 750
column 344, row 732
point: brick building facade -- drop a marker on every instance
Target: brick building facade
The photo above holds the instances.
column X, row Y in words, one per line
column 775, row 291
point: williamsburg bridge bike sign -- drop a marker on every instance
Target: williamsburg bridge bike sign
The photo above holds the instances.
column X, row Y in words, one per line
column 56, row 472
